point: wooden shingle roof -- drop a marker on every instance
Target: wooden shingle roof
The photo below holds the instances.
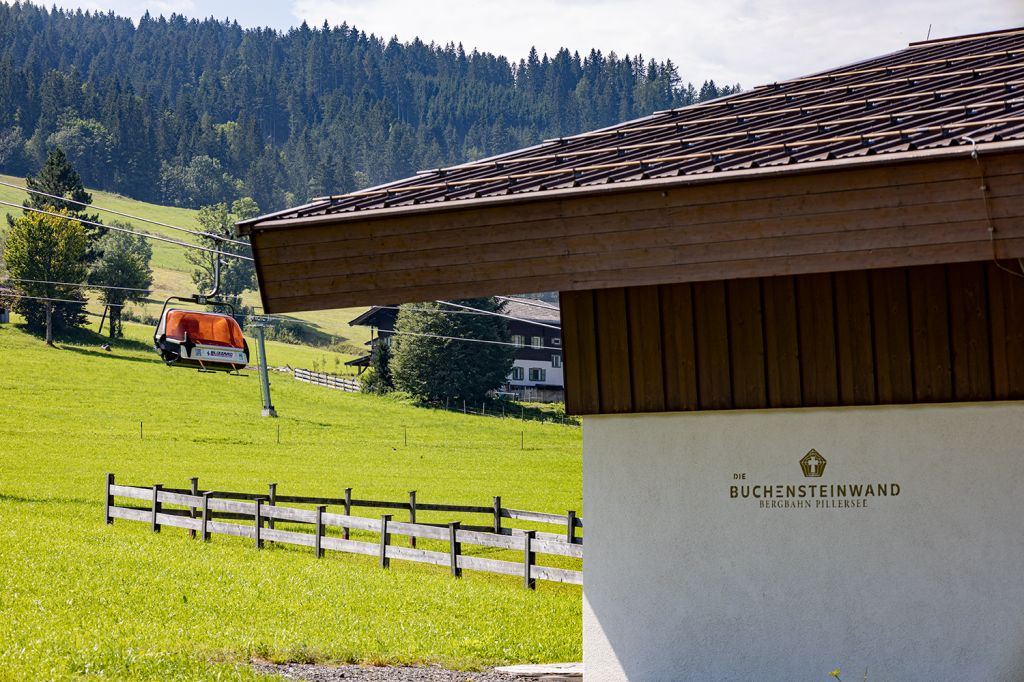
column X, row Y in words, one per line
column 931, row 95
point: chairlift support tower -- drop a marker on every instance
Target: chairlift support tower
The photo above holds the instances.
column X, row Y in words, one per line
column 259, row 324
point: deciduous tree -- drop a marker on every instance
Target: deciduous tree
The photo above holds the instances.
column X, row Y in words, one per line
column 124, row 264
column 236, row 275
column 42, row 249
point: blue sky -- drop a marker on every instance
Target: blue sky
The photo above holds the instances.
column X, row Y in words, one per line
column 746, row 41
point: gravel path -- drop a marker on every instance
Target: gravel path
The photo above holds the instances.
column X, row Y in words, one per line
column 324, row 673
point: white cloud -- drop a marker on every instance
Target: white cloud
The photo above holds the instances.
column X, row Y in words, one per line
column 730, row 40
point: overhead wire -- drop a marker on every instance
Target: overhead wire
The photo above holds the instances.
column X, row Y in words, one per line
column 536, row 303
column 147, row 235
column 463, row 338
column 496, row 314
column 56, row 300
column 80, row 285
column 197, row 233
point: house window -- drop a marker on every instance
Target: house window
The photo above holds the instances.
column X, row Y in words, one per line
column 537, row 341
column 556, row 341
column 537, row 374
column 556, row 361
column 519, row 340
column 517, row 374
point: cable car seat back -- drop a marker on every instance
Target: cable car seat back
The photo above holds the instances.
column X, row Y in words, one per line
column 208, row 329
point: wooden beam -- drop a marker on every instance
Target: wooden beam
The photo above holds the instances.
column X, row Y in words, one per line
column 876, row 216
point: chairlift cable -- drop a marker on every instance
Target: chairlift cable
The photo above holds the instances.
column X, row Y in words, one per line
column 197, row 233
column 147, row 235
column 79, row 284
column 4, row 295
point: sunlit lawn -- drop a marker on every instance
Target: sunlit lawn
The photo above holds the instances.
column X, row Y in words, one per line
column 88, row 601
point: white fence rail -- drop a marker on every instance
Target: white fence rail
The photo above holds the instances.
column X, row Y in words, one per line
column 328, row 380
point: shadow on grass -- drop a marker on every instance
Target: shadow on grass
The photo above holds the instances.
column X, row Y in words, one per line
column 82, row 337
column 111, row 355
column 18, row 499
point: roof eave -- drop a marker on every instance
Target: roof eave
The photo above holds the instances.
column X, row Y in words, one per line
column 810, row 167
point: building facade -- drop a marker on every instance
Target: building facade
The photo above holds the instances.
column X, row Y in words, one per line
column 537, row 373
column 793, row 322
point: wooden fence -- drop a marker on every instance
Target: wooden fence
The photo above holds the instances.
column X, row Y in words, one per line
column 198, row 510
column 328, row 380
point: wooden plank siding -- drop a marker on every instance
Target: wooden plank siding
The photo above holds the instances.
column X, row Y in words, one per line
column 915, row 212
column 935, row 333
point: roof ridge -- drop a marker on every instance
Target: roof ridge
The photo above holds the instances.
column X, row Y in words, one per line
column 968, row 37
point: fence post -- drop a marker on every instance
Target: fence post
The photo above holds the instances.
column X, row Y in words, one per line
column 194, row 489
column 205, row 531
column 529, row 558
column 412, row 515
column 497, row 514
column 318, row 547
column 156, row 506
column 385, row 540
column 348, row 510
column 259, row 522
column 454, row 547
column 109, row 502
column 570, row 531
column 272, row 503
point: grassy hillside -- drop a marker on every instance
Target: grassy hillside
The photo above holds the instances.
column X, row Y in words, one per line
column 84, row 600
column 171, row 271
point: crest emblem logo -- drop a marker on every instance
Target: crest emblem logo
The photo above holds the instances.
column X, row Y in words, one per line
column 813, row 464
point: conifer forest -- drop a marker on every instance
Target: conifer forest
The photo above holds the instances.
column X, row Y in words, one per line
column 193, row 112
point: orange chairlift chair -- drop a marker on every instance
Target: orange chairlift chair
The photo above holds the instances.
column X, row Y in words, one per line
column 209, row 342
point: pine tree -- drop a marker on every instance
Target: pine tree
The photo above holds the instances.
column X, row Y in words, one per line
column 379, row 378
column 433, row 369
column 59, row 178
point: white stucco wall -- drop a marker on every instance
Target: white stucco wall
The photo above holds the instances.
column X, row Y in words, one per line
column 554, row 375
column 684, row 582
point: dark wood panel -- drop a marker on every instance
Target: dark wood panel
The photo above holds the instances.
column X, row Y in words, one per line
column 579, row 355
column 645, row 356
column 1006, row 306
column 817, row 340
column 711, row 331
column 969, row 330
column 678, row 347
column 855, row 353
column 613, row 351
column 782, row 342
column 901, row 335
column 929, row 334
column 746, row 343
column 893, row 360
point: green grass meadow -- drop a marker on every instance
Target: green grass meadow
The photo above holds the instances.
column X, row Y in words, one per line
column 83, row 600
